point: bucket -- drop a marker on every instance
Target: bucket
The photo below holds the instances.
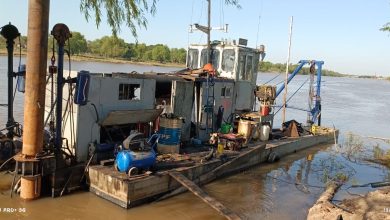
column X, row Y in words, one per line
column 264, row 134
column 170, row 132
column 264, row 110
column 245, row 128
column 225, row 128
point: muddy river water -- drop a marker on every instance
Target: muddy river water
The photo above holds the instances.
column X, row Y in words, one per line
column 281, row 190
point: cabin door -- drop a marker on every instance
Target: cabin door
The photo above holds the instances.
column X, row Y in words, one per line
column 244, row 95
column 181, row 102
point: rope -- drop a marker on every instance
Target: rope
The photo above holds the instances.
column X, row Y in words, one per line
column 293, row 94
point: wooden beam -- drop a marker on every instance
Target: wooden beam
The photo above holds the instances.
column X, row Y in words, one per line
column 191, row 186
column 235, row 165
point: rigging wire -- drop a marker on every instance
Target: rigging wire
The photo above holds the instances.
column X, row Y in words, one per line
column 293, row 94
column 272, row 79
column 192, row 14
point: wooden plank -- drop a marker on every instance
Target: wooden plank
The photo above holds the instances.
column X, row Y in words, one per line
column 223, row 210
column 244, row 160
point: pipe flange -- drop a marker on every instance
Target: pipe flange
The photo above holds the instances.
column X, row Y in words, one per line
column 61, row 33
column 9, row 32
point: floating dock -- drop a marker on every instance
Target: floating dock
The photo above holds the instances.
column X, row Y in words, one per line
column 128, row 191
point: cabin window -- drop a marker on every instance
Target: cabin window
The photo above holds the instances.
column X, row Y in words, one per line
column 192, row 59
column 228, row 60
column 245, row 67
column 214, row 58
column 129, row 91
column 249, row 68
column 226, row 92
column 203, row 58
column 241, row 69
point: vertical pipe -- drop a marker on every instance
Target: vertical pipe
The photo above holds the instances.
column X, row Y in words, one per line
column 60, row 79
column 209, row 31
column 10, row 33
column 61, row 33
column 10, row 122
column 34, row 101
column 318, row 95
column 287, row 64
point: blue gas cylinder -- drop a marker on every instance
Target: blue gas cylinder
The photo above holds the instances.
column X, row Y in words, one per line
column 127, row 159
column 123, row 161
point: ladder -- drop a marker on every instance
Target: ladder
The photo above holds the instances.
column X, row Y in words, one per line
column 210, row 102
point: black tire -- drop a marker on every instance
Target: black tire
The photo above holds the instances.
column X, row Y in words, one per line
column 273, row 157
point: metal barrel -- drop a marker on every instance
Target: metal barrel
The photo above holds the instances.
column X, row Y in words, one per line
column 170, row 132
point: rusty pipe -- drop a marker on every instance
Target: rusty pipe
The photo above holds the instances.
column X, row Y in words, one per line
column 34, row 101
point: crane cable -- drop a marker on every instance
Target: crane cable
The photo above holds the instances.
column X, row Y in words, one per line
column 272, row 79
column 293, row 94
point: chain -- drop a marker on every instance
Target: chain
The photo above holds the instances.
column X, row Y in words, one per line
column 52, row 71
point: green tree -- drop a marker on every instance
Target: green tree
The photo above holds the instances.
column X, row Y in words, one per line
column 386, row 27
column 160, row 53
column 78, row 43
column 109, row 46
column 178, row 55
column 139, row 51
column 147, row 56
column 2, row 42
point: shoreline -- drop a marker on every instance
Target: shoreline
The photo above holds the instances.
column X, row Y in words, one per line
column 91, row 58
column 106, row 60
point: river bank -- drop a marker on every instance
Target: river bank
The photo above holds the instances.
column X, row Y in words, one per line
column 92, row 58
column 374, row 205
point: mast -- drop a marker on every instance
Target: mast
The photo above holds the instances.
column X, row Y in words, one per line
column 209, row 31
column 287, row 65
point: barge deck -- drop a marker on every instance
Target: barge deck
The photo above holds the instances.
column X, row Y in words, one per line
column 128, row 191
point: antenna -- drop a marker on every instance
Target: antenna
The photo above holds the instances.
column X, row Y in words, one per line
column 207, row 30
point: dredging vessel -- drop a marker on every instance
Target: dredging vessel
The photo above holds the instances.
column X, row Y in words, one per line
column 202, row 122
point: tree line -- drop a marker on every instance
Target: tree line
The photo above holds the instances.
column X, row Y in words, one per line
column 269, row 67
column 113, row 47
column 116, row 48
